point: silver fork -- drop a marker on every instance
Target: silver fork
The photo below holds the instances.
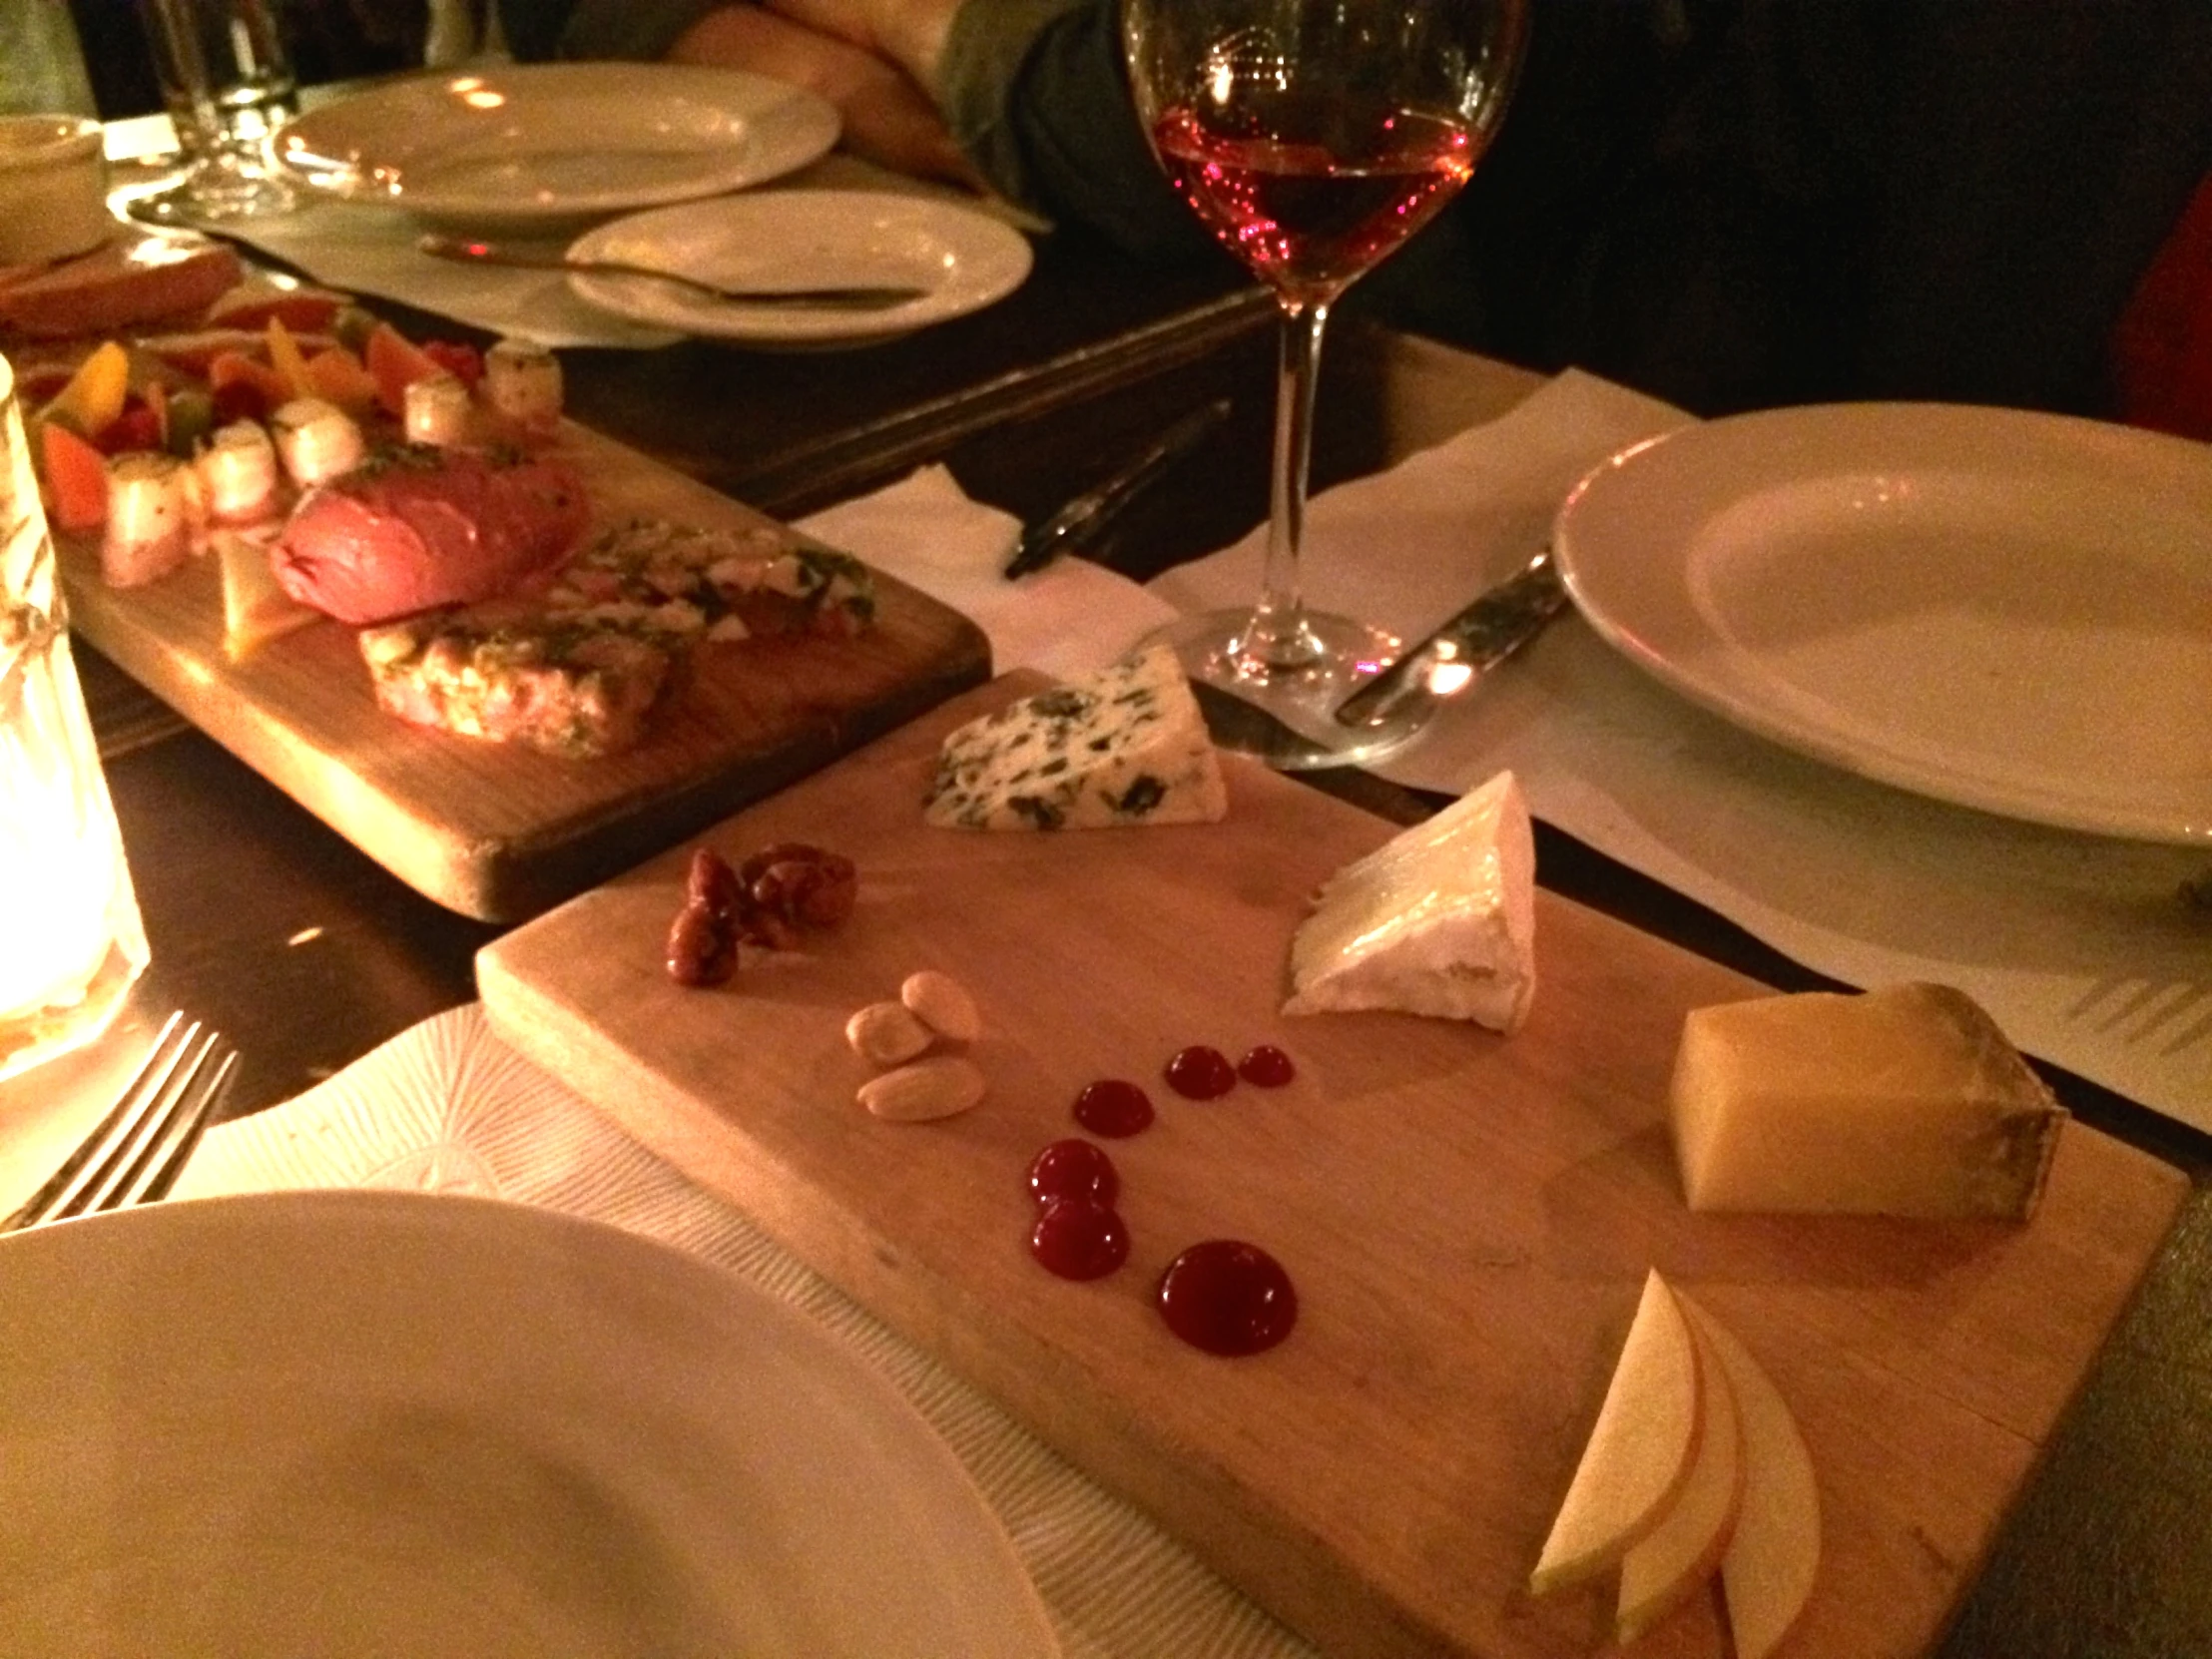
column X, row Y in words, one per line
column 140, row 1147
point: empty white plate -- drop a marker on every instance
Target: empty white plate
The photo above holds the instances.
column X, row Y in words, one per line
column 2000, row 609
column 961, row 259
column 378, row 1423
column 528, row 147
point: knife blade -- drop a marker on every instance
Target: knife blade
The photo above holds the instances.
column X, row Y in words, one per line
column 1500, row 622
column 1086, row 517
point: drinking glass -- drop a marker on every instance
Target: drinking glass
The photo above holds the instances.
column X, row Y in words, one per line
column 71, row 942
column 1313, row 137
column 227, row 82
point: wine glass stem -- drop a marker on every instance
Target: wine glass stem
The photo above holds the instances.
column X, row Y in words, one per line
column 1279, row 638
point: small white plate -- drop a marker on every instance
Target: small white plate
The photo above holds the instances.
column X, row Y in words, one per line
column 538, row 146
column 1999, row 609
column 356, row 1424
column 961, row 259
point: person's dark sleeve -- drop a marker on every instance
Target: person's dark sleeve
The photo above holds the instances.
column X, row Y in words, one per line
column 1921, row 198
column 638, row 31
column 1036, row 94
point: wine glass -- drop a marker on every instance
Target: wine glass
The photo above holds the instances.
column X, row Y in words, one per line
column 227, row 83
column 1313, row 137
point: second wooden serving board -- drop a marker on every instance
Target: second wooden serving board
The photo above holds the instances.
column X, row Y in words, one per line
column 1468, row 1218
column 497, row 830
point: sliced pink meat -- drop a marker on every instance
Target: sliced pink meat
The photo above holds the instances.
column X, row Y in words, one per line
column 418, row 526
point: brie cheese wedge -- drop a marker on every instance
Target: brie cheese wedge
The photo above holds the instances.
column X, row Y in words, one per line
column 1438, row 921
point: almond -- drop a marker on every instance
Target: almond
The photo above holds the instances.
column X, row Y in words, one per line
column 933, row 1088
column 943, row 1003
column 886, row 1034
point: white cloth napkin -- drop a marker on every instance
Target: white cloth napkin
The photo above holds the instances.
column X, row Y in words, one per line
column 447, row 1107
column 2078, row 945
column 1066, row 619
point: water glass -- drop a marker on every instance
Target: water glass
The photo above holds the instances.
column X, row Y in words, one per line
column 70, row 941
column 226, row 79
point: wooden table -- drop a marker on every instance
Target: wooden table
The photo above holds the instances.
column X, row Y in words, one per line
column 267, row 923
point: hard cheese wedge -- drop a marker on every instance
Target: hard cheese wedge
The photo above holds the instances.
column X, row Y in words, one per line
column 1440, row 919
column 1639, row 1452
column 1126, row 744
column 1768, row 1568
column 1903, row 1101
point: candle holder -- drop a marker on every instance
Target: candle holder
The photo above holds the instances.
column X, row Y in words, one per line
column 71, row 939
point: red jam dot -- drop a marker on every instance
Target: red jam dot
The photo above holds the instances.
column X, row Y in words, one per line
column 1201, row 1073
column 1267, row 1067
column 1078, row 1239
column 1113, row 1108
column 1073, row 1169
column 1228, row 1298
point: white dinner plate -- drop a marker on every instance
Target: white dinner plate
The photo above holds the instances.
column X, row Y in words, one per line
column 1995, row 608
column 961, row 259
column 376, row 1423
column 538, row 146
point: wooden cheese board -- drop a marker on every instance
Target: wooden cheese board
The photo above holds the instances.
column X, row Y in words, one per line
column 496, row 830
column 1468, row 1218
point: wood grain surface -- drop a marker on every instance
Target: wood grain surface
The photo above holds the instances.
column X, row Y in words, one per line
column 1467, row 1216
column 495, row 831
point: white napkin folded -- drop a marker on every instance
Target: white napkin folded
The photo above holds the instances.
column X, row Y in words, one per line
column 1066, row 619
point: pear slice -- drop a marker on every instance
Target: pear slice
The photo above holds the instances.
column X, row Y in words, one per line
column 1684, row 1549
column 254, row 609
column 1768, row 1568
column 1639, row 1452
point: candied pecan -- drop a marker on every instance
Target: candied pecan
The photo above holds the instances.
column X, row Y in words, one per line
column 713, row 883
column 702, row 946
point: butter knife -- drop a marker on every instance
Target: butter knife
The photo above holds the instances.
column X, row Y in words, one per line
column 1497, row 624
column 471, row 251
column 1082, row 520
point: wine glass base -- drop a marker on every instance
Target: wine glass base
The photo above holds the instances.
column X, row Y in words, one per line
column 1285, row 717
column 201, row 199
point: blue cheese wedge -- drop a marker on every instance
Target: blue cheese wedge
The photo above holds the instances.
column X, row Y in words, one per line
column 1438, row 921
column 1124, row 745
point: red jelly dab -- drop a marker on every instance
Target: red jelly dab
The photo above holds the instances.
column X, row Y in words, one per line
column 1267, row 1067
column 1113, row 1108
column 1228, row 1298
column 1073, row 1169
column 1078, row 1239
column 1201, row 1073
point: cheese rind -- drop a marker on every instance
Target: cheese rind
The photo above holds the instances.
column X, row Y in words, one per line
column 1124, row 745
column 1438, row 921
column 1902, row 1101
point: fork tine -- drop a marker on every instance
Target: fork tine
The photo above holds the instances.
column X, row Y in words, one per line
column 188, row 1122
column 126, row 1176
column 130, row 1106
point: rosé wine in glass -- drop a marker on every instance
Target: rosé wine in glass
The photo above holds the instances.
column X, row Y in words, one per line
column 1313, row 138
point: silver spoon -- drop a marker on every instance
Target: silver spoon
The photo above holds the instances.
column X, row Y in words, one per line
column 470, row 250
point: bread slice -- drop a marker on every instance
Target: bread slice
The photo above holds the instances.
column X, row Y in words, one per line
column 139, row 275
